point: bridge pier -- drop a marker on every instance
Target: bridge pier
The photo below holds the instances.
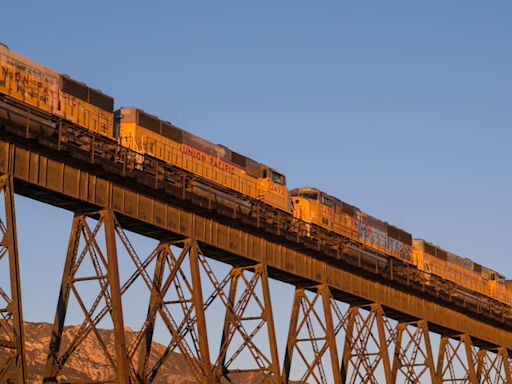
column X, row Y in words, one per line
column 313, row 329
column 101, row 266
column 84, row 246
column 493, row 365
column 369, row 337
column 244, row 306
column 11, row 330
column 456, row 352
column 177, row 298
column 413, row 359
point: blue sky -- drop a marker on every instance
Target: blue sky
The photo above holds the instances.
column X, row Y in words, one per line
column 402, row 108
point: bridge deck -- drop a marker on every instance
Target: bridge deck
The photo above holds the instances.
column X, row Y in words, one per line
column 65, row 185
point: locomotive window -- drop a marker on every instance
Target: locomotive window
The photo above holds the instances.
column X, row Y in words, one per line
column 277, row 178
column 327, row 201
column 309, row 196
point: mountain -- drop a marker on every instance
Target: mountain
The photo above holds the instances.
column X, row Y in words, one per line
column 89, row 363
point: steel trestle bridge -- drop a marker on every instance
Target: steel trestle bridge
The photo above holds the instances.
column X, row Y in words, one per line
column 358, row 316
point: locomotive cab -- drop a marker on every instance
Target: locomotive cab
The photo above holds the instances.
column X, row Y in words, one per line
column 497, row 285
column 508, row 289
column 305, row 204
column 314, row 206
column 272, row 187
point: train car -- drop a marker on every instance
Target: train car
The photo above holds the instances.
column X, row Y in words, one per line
column 463, row 271
column 31, row 83
column 314, row 206
column 147, row 134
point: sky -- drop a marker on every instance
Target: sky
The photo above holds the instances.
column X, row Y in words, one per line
column 402, row 108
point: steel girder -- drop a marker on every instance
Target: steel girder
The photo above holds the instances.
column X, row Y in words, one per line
column 85, row 249
column 316, row 321
column 63, row 185
column 12, row 347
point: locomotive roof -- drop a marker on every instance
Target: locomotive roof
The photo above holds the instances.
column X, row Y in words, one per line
column 313, row 189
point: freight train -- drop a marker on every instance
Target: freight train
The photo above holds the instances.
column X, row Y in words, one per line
column 28, row 82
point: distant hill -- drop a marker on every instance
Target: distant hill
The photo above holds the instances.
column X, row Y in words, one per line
column 89, row 362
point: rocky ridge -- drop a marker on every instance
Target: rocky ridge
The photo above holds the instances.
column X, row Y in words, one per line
column 89, row 363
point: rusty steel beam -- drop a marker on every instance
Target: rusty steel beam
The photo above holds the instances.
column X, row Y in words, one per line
column 505, row 358
column 309, row 329
column 105, row 273
column 493, row 366
column 330, row 331
column 413, row 359
column 456, row 357
column 147, row 342
column 51, row 370
column 122, row 365
column 240, row 332
column 193, row 349
column 197, row 298
column 368, row 341
column 63, row 185
column 12, row 318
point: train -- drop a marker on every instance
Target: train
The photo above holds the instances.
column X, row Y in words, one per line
column 35, row 85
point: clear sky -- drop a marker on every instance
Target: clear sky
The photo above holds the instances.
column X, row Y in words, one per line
column 402, row 108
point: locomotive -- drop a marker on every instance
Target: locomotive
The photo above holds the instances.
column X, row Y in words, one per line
column 40, row 87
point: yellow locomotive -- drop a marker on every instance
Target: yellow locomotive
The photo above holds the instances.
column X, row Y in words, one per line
column 463, row 271
column 149, row 135
column 316, row 207
column 29, row 83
